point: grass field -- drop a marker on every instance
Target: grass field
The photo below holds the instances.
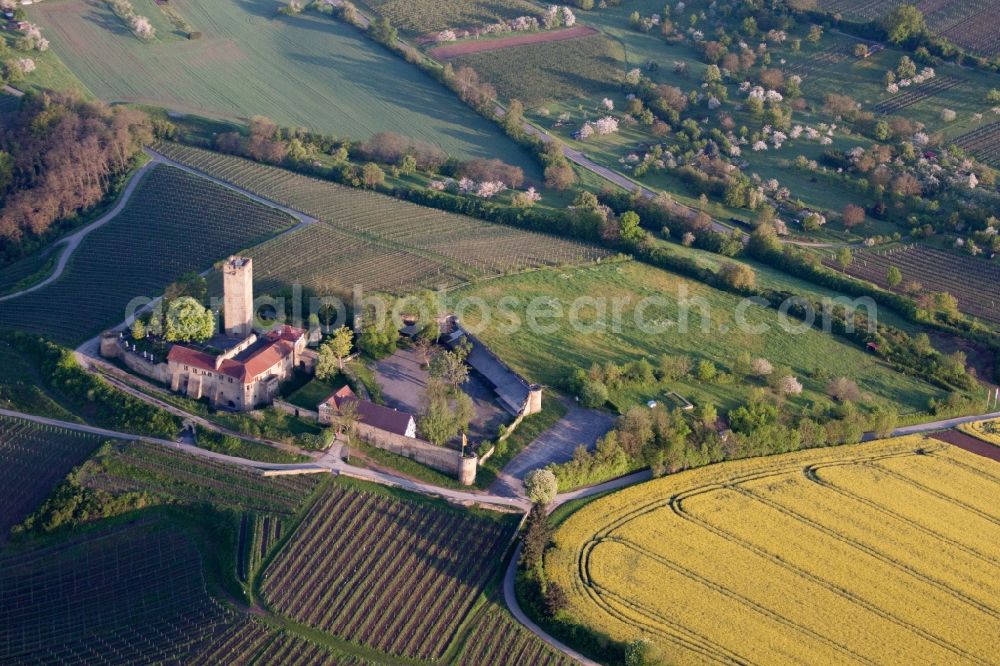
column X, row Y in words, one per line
column 562, row 70
column 21, row 387
column 552, row 355
column 394, row 575
column 302, row 71
column 419, row 17
column 33, row 459
column 772, row 278
column 878, row 553
column 372, row 240
column 174, row 223
column 134, row 594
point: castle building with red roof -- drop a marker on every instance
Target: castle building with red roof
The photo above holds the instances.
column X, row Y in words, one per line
column 244, row 368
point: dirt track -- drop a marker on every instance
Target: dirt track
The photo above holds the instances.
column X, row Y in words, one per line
column 480, row 46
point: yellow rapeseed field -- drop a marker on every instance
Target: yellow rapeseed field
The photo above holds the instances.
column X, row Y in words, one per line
column 988, row 431
column 881, row 553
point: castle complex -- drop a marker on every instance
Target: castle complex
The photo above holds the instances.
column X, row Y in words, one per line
column 250, row 368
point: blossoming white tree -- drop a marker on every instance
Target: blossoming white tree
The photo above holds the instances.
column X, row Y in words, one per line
column 490, row 188
column 143, row 28
column 789, row 385
column 606, row 125
column 761, row 367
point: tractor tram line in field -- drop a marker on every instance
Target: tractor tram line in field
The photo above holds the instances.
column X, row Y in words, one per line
column 930, row 491
column 677, row 506
column 756, row 487
column 868, row 550
column 812, row 473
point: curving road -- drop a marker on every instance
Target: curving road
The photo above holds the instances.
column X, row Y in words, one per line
column 510, row 598
column 73, row 241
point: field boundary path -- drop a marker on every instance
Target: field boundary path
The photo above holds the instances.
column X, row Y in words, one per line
column 969, row 443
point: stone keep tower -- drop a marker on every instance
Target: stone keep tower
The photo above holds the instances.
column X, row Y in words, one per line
column 237, row 287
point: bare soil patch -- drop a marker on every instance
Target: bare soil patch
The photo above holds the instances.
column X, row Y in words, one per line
column 969, row 443
column 481, row 46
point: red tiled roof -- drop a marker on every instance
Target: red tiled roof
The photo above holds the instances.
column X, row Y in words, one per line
column 376, row 416
column 266, row 358
column 285, row 332
column 245, row 370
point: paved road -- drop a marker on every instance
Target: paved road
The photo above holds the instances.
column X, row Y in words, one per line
column 612, row 176
column 931, row 426
column 510, row 598
column 72, row 242
column 180, row 446
column 331, row 461
column 334, row 459
column 555, row 445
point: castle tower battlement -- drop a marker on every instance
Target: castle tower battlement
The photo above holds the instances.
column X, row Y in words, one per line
column 237, row 286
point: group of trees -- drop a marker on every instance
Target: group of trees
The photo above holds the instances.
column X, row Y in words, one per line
column 447, row 410
column 669, row 440
column 139, row 25
column 333, row 351
column 180, row 316
column 60, row 155
column 15, row 66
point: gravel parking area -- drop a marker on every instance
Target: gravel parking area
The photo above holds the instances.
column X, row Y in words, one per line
column 404, row 384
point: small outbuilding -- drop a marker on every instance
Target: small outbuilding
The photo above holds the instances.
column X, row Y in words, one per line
column 375, row 416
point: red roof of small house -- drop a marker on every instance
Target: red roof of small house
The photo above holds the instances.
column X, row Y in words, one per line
column 285, row 332
column 376, row 416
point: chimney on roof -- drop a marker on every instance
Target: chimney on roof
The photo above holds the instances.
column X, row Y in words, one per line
column 237, row 286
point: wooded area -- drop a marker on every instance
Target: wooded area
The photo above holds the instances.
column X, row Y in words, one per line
column 61, row 155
